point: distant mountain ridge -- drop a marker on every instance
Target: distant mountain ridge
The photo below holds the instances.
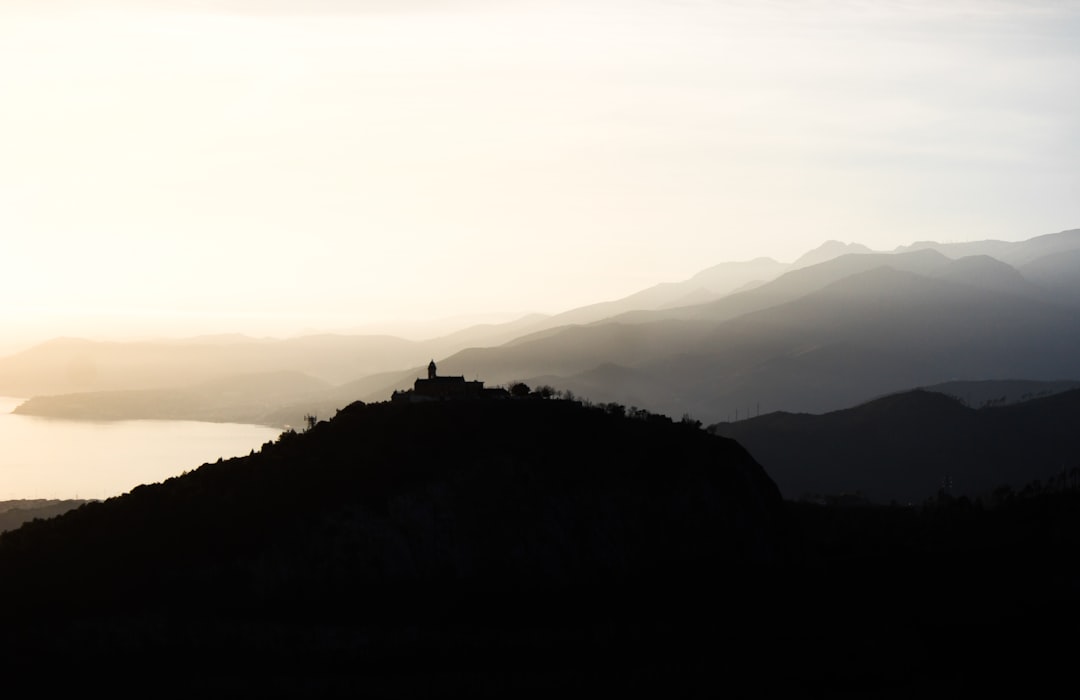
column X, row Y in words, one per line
column 986, row 393
column 799, row 337
column 14, row 513
column 827, row 251
column 907, row 447
column 1009, row 252
column 865, row 335
column 275, row 399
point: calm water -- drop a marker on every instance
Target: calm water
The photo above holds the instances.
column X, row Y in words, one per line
column 54, row 458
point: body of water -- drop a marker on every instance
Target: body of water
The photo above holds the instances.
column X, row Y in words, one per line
column 58, row 458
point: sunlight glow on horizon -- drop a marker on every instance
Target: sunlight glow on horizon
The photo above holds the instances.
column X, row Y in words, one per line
column 343, row 163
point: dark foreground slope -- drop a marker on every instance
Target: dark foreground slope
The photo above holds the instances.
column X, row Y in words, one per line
column 531, row 548
column 402, row 542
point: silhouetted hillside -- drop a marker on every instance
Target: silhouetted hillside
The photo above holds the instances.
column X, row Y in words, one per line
column 906, row 447
column 528, row 547
column 454, row 518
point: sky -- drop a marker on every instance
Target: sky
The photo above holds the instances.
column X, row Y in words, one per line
column 272, row 167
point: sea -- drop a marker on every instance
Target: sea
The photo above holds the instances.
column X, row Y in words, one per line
column 62, row 459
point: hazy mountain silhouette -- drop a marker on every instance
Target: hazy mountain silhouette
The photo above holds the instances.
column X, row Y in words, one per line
column 484, row 334
column 230, row 378
column 991, row 274
column 711, row 283
column 270, row 398
column 69, row 365
column 731, row 276
column 827, row 251
column 793, row 285
column 767, row 359
column 907, row 446
column 14, row 513
column 1058, row 274
column 999, row 392
column 868, row 334
column 788, row 287
column 782, row 344
column 1016, row 253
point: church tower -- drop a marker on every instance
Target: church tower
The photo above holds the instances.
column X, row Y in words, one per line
column 431, row 370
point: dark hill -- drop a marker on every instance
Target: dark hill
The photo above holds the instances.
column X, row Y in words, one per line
column 907, row 446
column 525, row 548
column 441, row 522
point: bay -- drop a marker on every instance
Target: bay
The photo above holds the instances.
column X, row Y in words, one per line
column 60, row 458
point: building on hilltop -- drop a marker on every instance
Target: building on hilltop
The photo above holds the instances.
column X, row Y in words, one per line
column 436, row 388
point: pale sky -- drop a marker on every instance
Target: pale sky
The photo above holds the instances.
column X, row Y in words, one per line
column 271, row 167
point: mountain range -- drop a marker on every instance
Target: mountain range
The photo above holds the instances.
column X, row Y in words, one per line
column 840, row 325
column 802, row 349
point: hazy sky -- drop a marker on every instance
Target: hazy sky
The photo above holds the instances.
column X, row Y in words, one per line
column 263, row 166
